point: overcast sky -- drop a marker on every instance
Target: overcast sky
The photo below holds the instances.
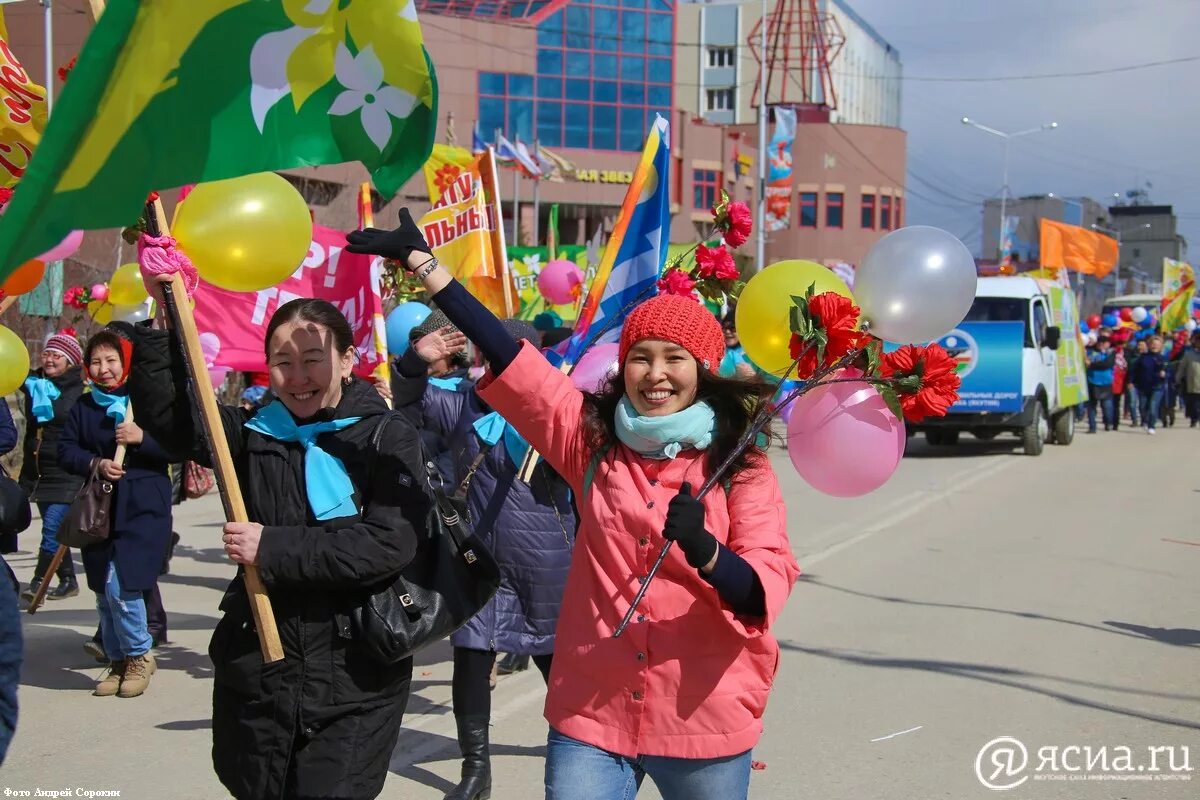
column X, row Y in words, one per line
column 1116, row 131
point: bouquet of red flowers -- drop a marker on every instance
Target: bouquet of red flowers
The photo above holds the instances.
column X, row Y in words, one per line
column 712, row 273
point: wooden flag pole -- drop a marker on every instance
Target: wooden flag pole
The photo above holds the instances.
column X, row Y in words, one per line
column 180, row 312
column 7, row 302
column 61, row 552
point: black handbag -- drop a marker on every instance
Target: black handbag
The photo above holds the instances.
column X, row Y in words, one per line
column 89, row 519
column 452, row 577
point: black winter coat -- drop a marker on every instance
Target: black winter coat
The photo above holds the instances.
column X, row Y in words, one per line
column 141, row 500
column 323, row 721
column 41, row 476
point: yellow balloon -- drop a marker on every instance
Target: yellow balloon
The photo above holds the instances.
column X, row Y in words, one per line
column 101, row 311
column 14, row 361
column 764, row 309
column 125, row 288
column 245, row 234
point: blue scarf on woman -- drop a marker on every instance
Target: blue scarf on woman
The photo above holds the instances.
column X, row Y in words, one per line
column 666, row 436
column 326, row 482
column 114, row 403
column 42, row 394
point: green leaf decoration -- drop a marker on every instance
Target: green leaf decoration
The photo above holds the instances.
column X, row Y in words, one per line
column 893, row 400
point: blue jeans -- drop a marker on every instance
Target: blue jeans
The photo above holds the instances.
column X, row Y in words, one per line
column 579, row 771
column 1151, row 403
column 1107, row 409
column 1133, row 404
column 52, row 517
column 122, row 619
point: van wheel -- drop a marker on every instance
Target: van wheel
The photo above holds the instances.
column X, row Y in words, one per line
column 1034, row 435
column 1064, row 427
column 942, row 438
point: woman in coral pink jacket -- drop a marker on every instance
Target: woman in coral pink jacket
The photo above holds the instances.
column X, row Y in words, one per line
column 680, row 696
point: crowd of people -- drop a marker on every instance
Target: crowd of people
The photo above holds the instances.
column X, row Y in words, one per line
column 1144, row 381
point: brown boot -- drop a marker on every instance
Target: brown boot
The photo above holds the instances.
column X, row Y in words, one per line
column 111, row 682
column 138, row 670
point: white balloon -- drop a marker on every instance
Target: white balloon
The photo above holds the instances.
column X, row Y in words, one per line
column 1190, row 325
column 915, row 285
column 131, row 314
column 1139, row 314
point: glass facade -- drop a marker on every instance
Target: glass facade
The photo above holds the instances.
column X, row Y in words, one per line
column 516, row 10
column 604, row 68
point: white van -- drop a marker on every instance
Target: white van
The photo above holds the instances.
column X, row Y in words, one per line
column 1021, row 362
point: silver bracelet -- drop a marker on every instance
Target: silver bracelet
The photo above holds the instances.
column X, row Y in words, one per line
column 429, row 266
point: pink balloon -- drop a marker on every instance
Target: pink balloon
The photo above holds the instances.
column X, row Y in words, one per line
column 596, row 366
column 99, row 291
column 559, row 280
column 843, row 439
column 63, row 249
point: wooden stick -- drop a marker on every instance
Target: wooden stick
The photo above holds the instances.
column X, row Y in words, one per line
column 62, row 550
column 7, row 302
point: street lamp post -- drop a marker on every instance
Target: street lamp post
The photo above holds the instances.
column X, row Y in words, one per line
column 1007, row 137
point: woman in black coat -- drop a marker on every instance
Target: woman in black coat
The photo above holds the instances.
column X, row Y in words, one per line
column 126, row 565
column 50, row 394
column 323, row 721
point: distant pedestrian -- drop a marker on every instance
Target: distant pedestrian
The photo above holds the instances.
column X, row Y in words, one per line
column 1101, row 361
column 1149, row 375
column 1187, row 379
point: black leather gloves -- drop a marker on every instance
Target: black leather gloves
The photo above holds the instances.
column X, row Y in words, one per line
column 397, row 244
column 685, row 527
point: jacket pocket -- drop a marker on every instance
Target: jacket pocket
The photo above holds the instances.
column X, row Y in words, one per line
column 235, row 654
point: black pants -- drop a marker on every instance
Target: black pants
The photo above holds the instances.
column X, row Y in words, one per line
column 472, row 669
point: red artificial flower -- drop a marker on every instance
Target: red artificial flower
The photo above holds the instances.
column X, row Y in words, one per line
column 65, row 71
column 676, row 281
column 740, row 224
column 5, row 195
column 837, row 315
column 69, row 331
column 939, row 379
column 150, row 198
column 715, row 262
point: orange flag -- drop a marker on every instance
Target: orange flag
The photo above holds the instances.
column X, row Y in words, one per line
column 1072, row 247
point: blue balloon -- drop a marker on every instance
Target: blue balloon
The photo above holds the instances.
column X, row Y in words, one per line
column 400, row 323
column 1083, row 328
column 1109, row 320
column 1149, row 321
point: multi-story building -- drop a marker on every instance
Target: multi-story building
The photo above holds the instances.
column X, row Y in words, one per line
column 1030, row 211
column 1148, row 235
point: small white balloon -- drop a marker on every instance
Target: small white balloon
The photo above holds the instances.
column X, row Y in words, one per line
column 1139, row 314
column 915, row 285
column 132, row 314
column 1190, row 325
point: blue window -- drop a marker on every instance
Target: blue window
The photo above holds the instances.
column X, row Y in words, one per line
column 660, row 96
column 491, row 115
column 520, row 119
column 705, row 183
column 579, row 64
column 604, row 127
column 577, row 90
column 550, row 32
column 660, row 37
column 605, row 66
column 549, row 62
column 633, row 32
column 491, row 83
column 633, row 128
column 660, row 70
column 633, row 68
column 604, row 92
column 605, row 22
column 550, row 87
column 633, row 94
column 577, row 125
column 520, row 85
column 549, row 124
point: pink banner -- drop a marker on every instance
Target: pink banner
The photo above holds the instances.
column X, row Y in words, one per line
column 233, row 325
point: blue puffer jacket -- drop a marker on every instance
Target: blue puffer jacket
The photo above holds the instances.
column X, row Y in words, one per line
column 530, row 528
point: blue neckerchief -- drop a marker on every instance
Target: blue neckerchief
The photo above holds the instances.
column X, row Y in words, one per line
column 664, row 437
column 115, row 403
column 42, row 394
column 492, row 427
column 449, row 384
column 329, row 488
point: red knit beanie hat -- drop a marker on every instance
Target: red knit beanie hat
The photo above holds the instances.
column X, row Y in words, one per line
column 66, row 345
column 673, row 318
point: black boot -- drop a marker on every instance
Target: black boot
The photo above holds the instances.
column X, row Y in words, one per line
column 67, row 585
column 511, row 664
column 39, row 572
column 476, row 767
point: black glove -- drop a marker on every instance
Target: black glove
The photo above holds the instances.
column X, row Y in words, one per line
column 396, row 244
column 685, row 527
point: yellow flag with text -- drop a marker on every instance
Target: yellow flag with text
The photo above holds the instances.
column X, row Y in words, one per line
column 443, row 167
column 1179, row 287
column 22, row 113
column 459, row 229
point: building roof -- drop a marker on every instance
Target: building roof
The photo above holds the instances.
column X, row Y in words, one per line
column 845, row 8
column 530, row 12
column 1141, row 211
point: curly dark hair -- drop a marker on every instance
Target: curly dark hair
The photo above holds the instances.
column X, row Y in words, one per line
column 735, row 402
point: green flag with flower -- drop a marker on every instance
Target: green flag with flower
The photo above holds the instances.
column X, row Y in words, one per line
column 172, row 92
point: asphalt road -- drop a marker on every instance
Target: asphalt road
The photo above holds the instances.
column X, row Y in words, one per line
column 980, row 594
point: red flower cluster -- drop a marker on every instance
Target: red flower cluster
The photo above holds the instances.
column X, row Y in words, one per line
column 676, row 281
column 65, row 71
column 150, row 198
column 715, row 262
column 939, row 381
column 76, row 297
column 740, row 224
column 5, row 195
column 837, row 315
